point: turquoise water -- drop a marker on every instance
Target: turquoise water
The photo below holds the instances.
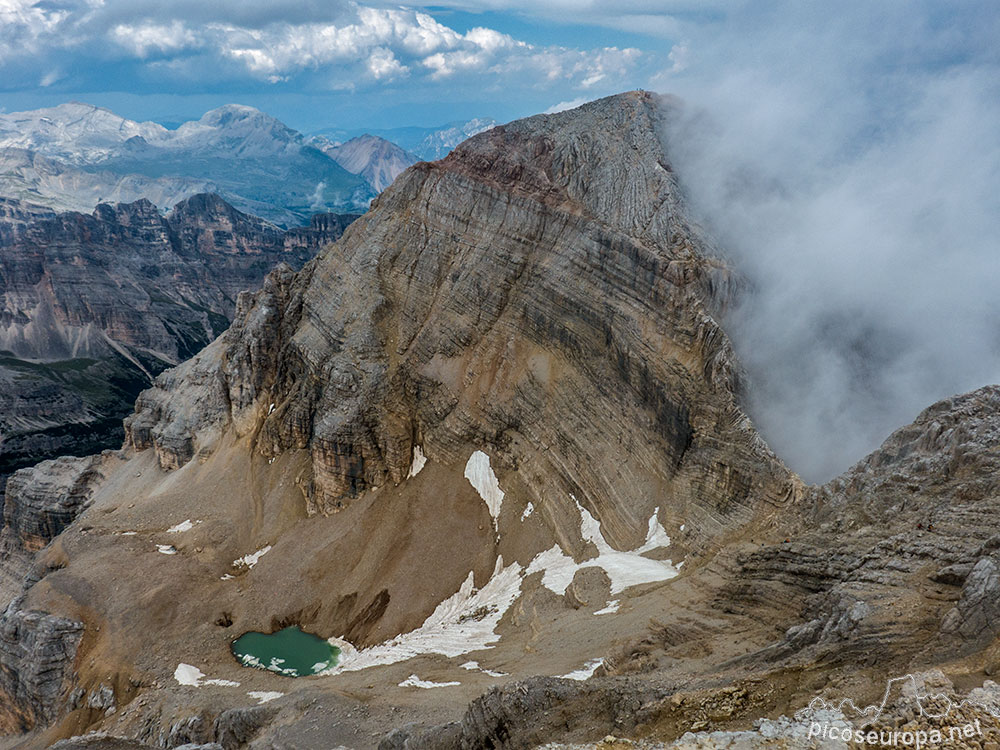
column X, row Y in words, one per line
column 290, row 652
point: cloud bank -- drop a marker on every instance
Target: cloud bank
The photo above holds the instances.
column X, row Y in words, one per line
column 189, row 46
column 847, row 157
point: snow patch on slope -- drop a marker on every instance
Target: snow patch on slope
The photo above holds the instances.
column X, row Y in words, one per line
column 609, row 609
column 463, row 622
column 585, row 672
column 252, row 559
column 182, row 527
column 419, row 460
column 264, row 696
column 467, row 620
column 623, row 568
column 187, row 674
column 480, row 475
column 414, row 681
column 473, row 666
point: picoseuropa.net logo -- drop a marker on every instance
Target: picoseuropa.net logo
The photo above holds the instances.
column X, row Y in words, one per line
column 937, row 707
column 916, row 738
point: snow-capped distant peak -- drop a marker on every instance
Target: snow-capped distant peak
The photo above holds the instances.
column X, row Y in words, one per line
column 438, row 143
column 74, row 131
column 240, row 128
column 228, row 114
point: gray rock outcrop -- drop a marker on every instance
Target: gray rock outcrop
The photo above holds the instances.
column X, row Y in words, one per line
column 37, row 652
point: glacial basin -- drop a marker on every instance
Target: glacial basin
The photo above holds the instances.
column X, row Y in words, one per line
column 291, row 652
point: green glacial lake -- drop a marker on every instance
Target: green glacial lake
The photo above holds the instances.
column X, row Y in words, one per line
column 290, row 652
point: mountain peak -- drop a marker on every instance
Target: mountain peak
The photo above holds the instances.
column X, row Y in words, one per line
column 75, row 131
column 377, row 160
column 239, row 126
column 228, row 113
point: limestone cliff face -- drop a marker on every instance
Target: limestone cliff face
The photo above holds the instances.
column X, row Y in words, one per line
column 540, row 293
column 39, row 504
column 93, row 306
column 15, row 215
column 73, row 283
column 37, row 650
column 897, row 561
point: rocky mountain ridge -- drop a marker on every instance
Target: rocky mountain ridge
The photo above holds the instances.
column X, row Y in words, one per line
column 426, row 143
column 491, row 441
column 94, row 306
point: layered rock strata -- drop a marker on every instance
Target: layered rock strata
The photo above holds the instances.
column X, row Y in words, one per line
column 459, row 440
column 93, row 306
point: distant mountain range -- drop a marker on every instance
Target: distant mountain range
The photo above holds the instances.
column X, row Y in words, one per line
column 427, row 144
column 74, row 156
column 124, row 245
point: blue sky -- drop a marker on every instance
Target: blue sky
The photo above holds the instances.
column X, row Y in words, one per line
column 333, row 64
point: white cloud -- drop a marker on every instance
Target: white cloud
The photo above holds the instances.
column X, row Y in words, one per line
column 650, row 17
column 145, row 39
column 287, row 46
column 49, row 78
column 363, row 43
column 679, row 56
column 24, row 27
column 489, row 40
column 383, row 64
column 563, row 106
column 848, row 158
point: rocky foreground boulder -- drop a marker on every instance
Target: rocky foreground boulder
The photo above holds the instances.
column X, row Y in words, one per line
column 491, row 443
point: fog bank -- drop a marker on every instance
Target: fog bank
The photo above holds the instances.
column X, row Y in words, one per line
column 847, row 159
